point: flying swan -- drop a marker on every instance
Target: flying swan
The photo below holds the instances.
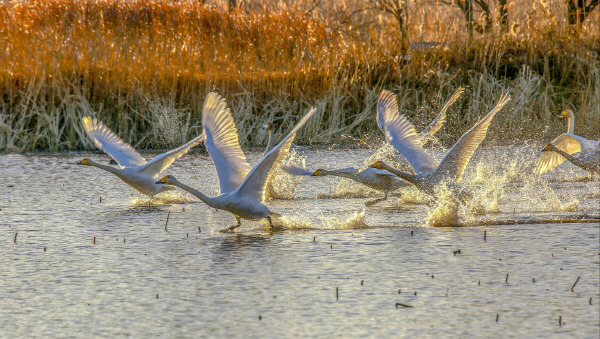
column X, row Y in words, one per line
column 242, row 189
column 580, row 151
column 132, row 168
column 384, row 181
column 428, row 172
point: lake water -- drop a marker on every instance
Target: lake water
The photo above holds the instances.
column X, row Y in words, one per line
column 84, row 255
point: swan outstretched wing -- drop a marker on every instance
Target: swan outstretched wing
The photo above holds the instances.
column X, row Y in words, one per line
column 222, row 143
column 255, row 182
column 457, row 158
column 439, row 121
column 401, row 134
column 161, row 162
column 568, row 143
column 110, row 143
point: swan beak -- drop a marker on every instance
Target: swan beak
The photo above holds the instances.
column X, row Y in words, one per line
column 82, row 162
column 163, row 180
column 377, row 164
column 317, row 173
column 547, row 148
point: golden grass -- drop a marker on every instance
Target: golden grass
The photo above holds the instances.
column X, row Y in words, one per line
column 141, row 65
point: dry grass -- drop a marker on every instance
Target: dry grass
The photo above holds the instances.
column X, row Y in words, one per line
column 144, row 68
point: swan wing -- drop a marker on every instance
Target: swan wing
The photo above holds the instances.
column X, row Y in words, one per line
column 568, row 143
column 109, row 142
column 161, row 162
column 401, row 134
column 457, row 158
column 255, row 182
column 222, row 143
column 439, row 121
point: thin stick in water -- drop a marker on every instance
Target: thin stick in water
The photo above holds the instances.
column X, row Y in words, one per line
column 168, row 214
column 15, row 239
column 576, row 281
column 403, row 305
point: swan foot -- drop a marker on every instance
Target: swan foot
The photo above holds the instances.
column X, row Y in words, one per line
column 373, row 202
column 270, row 222
column 232, row 227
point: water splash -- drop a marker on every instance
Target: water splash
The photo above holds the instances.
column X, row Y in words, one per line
column 445, row 210
column 165, row 198
column 282, row 185
column 356, row 221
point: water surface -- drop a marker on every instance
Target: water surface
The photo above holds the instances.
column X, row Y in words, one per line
column 92, row 257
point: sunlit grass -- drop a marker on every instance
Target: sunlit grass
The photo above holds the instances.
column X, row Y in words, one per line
column 138, row 64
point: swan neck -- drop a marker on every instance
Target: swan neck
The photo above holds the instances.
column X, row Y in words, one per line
column 205, row 199
column 340, row 174
column 108, row 168
column 570, row 123
column 404, row 175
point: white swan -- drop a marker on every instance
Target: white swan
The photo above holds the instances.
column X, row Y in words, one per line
column 589, row 161
column 580, row 148
column 428, row 172
column 242, row 187
column 374, row 178
column 133, row 169
column 385, row 181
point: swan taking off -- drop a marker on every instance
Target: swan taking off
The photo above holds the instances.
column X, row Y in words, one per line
column 385, row 181
column 242, row 188
column 428, row 172
column 581, row 150
column 133, row 169
column 589, row 161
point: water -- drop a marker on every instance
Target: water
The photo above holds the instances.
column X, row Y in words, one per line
column 91, row 258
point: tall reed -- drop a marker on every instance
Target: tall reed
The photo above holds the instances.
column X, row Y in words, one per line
column 145, row 66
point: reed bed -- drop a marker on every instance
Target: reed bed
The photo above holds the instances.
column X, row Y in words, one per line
column 144, row 68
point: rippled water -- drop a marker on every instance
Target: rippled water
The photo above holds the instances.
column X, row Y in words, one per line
column 84, row 255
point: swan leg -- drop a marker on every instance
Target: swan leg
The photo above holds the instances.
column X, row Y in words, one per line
column 270, row 222
column 373, row 202
column 232, row 227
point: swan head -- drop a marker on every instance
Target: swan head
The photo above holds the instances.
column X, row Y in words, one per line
column 319, row 173
column 85, row 162
column 548, row 147
column 567, row 114
column 378, row 164
column 167, row 180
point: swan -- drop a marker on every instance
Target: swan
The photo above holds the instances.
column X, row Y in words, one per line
column 385, row 181
column 428, row 172
column 242, row 189
column 374, row 178
column 589, row 161
column 132, row 168
column 580, row 148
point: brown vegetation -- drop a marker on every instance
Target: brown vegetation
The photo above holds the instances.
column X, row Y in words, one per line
column 145, row 66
